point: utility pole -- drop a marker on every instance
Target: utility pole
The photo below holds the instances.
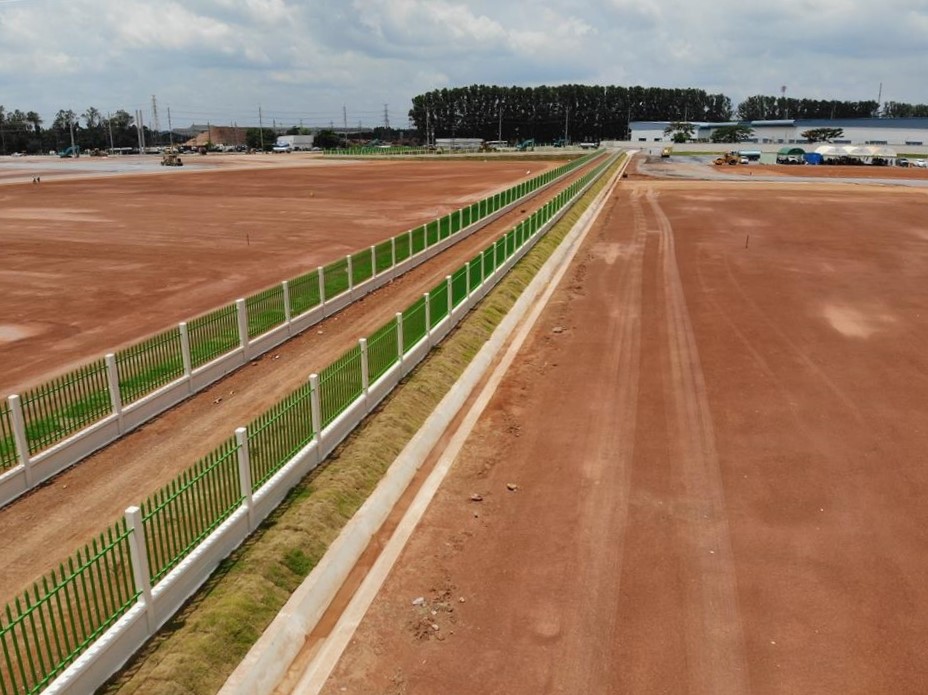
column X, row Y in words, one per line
column 879, row 99
column 261, row 127
column 566, row 120
column 109, row 127
column 154, row 118
column 386, row 116
column 499, row 134
column 170, row 128
column 345, row 123
column 71, row 128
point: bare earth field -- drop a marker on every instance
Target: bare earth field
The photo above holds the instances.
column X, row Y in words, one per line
column 42, row 528
column 831, row 172
column 717, row 434
column 96, row 259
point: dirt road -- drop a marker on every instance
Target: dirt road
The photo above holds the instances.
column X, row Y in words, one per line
column 716, row 445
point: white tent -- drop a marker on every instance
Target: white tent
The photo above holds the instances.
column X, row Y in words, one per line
column 865, row 153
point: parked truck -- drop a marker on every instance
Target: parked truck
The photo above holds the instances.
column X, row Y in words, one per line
column 293, row 143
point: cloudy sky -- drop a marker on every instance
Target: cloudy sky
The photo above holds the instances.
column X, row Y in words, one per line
column 307, row 60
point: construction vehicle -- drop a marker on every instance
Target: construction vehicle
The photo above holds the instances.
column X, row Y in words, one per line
column 728, row 158
column 526, row 145
column 73, row 151
column 171, row 158
column 666, row 152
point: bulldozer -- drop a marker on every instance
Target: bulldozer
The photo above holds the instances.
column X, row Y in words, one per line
column 171, row 159
column 727, row 158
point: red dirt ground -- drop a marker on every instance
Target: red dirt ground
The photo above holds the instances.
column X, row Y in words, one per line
column 829, row 171
column 719, row 446
column 92, row 264
column 41, row 529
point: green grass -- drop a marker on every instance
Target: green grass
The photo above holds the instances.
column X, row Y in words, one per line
column 204, row 643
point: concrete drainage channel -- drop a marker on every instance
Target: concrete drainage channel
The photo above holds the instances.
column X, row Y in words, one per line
column 267, row 667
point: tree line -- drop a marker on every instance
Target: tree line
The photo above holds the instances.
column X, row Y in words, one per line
column 23, row 132
column 590, row 113
column 548, row 114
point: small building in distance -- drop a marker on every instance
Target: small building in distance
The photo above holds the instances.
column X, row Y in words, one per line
column 898, row 132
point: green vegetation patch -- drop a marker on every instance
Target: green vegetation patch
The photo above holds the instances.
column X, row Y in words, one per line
column 206, row 640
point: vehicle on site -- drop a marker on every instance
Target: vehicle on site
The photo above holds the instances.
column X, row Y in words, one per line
column 73, row 151
column 526, row 145
column 666, row 152
column 902, row 162
column 920, row 163
column 727, row 158
column 171, row 158
column 297, row 143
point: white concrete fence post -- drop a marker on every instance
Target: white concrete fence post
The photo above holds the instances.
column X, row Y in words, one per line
column 285, row 286
column 244, row 474
column 112, row 380
column 428, row 319
column 140, row 568
column 411, row 252
column 18, row 423
column 373, row 261
column 392, row 252
column 185, row 353
column 467, row 281
column 315, row 402
column 399, row 335
column 350, row 273
column 365, row 368
column 320, row 271
column 450, row 298
column 241, row 311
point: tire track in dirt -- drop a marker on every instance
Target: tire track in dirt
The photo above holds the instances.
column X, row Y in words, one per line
column 716, row 662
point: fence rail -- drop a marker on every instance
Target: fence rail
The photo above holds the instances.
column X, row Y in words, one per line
column 47, row 628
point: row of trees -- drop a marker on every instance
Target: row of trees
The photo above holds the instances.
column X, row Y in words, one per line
column 574, row 112
column 580, row 112
column 23, row 132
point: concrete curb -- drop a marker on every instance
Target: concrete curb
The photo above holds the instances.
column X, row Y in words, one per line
column 267, row 663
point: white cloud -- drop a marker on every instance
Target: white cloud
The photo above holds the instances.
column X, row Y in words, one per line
column 309, row 58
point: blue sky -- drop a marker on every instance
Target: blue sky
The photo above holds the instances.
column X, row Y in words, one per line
column 306, row 61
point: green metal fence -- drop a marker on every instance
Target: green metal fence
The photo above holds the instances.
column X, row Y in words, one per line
column 418, row 240
column 438, row 303
column 340, row 384
column 46, row 628
column 265, row 310
column 362, row 266
column 8, row 456
column 459, row 285
column 476, row 274
column 213, row 334
column 383, row 256
column 149, row 365
column 382, row 350
column 65, row 405
column 403, row 250
column 414, row 328
column 335, row 276
column 275, row 436
column 304, row 293
column 180, row 515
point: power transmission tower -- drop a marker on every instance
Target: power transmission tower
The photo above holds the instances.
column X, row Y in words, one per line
column 170, row 128
column 345, row 121
column 261, row 127
column 154, row 118
column 386, row 116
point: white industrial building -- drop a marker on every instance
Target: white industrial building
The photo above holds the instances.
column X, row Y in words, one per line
column 898, row 132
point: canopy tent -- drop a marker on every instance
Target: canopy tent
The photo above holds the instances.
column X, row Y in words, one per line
column 865, row 153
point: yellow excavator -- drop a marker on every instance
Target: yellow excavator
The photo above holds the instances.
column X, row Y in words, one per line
column 171, row 158
column 728, row 158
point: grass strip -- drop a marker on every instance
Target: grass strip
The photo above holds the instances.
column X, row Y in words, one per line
column 201, row 646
